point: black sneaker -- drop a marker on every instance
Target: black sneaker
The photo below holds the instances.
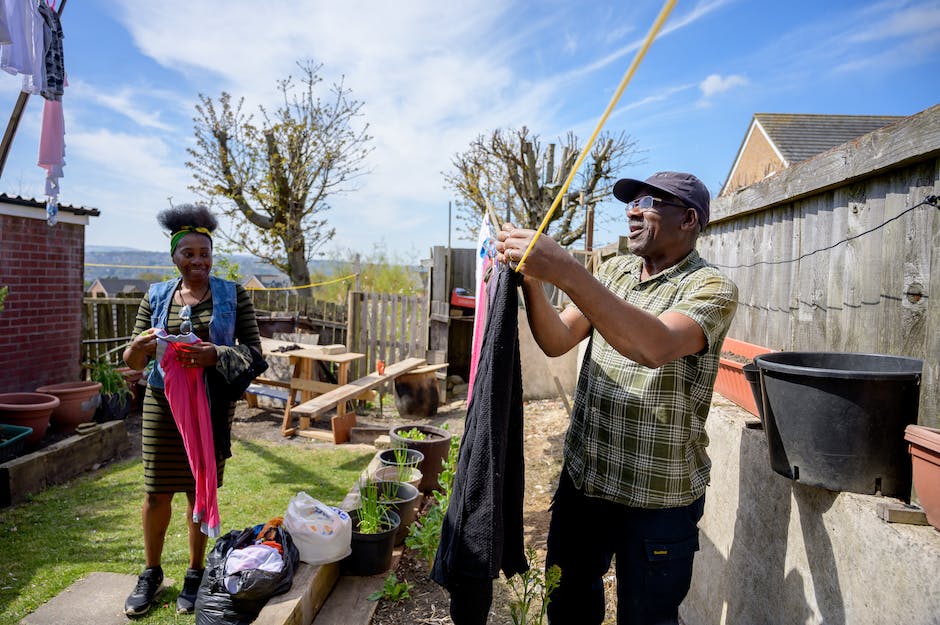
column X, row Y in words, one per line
column 186, row 601
column 148, row 586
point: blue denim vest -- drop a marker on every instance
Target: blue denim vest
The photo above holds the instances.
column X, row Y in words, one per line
column 221, row 323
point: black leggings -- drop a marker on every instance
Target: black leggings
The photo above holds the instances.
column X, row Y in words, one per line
column 654, row 550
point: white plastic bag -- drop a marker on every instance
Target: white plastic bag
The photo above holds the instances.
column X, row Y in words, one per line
column 321, row 533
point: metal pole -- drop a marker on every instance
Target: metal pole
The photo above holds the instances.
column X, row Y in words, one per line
column 448, row 224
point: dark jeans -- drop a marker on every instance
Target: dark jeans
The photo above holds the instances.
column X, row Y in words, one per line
column 654, row 549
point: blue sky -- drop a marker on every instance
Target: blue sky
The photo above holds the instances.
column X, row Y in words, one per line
column 434, row 75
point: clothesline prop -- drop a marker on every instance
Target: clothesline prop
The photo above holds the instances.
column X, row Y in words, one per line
column 637, row 59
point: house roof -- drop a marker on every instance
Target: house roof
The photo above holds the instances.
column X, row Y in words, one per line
column 33, row 203
column 268, row 280
column 793, row 138
column 123, row 285
column 800, row 136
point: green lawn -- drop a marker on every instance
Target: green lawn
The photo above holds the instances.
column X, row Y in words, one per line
column 92, row 524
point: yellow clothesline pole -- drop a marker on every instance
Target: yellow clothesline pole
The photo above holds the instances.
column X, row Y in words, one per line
column 660, row 20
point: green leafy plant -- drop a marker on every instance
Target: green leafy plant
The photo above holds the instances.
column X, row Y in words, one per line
column 403, row 464
column 532, row 591
column 425, row 535
column 371, row 509
column 3, row 296
column 392, row 590
column 112, row 381
column 414, row 434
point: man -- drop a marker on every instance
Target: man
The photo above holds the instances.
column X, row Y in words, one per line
column 635, row 467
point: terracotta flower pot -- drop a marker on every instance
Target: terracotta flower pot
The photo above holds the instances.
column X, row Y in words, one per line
column 925, row 459
column 77, row 403
column 30, row 410
column 731, row 381
column 435, row 448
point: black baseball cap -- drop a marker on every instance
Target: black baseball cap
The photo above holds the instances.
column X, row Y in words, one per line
column 689, row 189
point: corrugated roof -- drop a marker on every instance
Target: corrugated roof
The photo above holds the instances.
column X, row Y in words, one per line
column 799, row 136
column 33, row 203
column 124, row 285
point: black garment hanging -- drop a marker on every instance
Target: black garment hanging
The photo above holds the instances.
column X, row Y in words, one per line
column 482, row 530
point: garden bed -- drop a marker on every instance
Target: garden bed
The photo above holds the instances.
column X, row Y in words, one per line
column 60, row 461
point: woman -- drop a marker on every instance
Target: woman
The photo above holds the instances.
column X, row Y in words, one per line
column 218, row 312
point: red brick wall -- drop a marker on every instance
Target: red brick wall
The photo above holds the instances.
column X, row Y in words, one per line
column 41, row 322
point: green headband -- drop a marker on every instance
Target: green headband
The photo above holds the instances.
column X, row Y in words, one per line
column 179, row 234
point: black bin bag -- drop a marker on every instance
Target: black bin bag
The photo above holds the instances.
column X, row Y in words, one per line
column 215, row 605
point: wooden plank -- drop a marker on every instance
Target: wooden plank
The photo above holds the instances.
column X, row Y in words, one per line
column 321, row 435
column 896, row 512
column 341, row 426
column 328, row 401
column 349, row 602
column 300, row 605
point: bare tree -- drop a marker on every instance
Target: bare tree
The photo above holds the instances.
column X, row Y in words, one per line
column 509, row 171
column 274, row 178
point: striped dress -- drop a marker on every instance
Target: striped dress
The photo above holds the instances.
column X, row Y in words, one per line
column 166, row 468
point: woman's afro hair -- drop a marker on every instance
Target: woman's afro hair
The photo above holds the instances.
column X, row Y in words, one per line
column 191, row 215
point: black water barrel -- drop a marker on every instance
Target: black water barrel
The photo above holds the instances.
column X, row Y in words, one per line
column 838, row 418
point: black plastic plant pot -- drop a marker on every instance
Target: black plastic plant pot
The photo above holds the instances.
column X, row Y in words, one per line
column 411, row 457
column 402, row 499
column 836, row 420
column 371, row 553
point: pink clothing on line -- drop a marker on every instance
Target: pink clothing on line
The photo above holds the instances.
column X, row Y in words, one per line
column 479, row 325
column 185, row 390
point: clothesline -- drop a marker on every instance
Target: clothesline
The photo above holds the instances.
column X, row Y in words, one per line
column 18, row 108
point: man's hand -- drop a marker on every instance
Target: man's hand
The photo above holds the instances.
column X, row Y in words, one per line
column 546, row 261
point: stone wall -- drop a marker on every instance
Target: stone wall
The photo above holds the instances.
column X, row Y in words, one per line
column 774, row 551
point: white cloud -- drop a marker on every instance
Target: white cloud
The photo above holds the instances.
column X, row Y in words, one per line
column 717, row 83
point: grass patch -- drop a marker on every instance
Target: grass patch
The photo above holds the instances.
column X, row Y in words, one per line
column 92, row 524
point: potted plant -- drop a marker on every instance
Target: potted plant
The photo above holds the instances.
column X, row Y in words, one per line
column 400, row 464
column 374, row 527
column 433, row 442
column 115, row 393
column 402, row 499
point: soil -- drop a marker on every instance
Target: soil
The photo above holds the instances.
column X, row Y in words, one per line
column 735, row 358
column 428, row 604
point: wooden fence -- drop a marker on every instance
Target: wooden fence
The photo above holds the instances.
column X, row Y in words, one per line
column 107, row 325
column 832, row 255
column 387, row 327
column 284, row 312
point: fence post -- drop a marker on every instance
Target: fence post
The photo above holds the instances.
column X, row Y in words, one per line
column 353, row 314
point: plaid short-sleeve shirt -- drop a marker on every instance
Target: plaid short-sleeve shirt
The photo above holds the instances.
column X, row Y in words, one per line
column 637, row 435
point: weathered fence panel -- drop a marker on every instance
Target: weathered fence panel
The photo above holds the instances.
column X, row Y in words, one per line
column 107, row 324
column 383, row 326
column 830, row 255
column 327, row 319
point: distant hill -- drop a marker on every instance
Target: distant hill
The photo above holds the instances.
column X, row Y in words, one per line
column 105, row 261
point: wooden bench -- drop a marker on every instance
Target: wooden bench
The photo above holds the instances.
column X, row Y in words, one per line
column 343, row 421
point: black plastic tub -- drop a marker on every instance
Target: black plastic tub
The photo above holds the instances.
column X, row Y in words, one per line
column 838, row 418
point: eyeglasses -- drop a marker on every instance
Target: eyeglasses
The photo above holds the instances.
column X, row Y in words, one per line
column 185, row 313
column 648, row 203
